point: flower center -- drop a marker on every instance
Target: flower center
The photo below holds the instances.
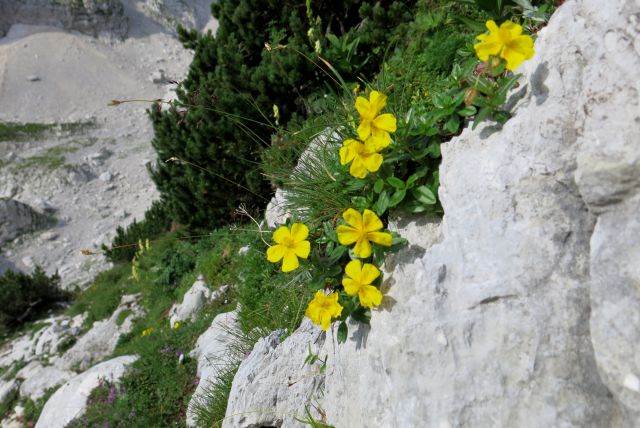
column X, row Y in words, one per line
column 288, row 242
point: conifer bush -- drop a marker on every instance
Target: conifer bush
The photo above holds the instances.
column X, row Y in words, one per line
column 23, row 297
column 264, row 54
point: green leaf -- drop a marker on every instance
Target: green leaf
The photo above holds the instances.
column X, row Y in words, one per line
column 417, row 175
column 360, row 202
column 396, row 182
column 362, row 315
column 397, row 197
column 482, row 115
column 379, row 185
column 467, row 111
column 382, row 203
column 337, row 253
column 378, row 255
column 452, row 124
column 424, row 195
column 343, row 331
column 475, row 26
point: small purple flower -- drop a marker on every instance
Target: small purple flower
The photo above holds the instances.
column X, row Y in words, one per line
column 132, row 414
column 113, row 394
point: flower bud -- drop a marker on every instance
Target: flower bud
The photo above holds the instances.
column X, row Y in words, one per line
column 470, row 95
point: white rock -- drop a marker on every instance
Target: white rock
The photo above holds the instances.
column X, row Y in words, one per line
column 49, row 236
column 632, row 382
column 101, row 340
column 213, row 352
column 193, row 301
column 244, row 250
column 37, row 379
column 106, row 176
column 8, row 389
column 70, row 400
column 274, row 385
column 276, row 212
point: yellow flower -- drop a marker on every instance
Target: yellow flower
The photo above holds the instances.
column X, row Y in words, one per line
column 176, row 324
column 147, row 332
column 290, row 244
column 358, row 283
column 372, row 123
column 507, row 42
column 323, row 308
column 364, row 157
column 363, row 229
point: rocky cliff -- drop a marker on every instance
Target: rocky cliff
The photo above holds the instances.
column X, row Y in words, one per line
column 520, row 307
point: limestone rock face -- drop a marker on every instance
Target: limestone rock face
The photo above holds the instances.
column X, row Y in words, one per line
column 193, row 301
column 101, row 340
column 213, row 354
column 520, row 307
column 17, row 218
column 91, row 17
column 273, row 384
column 70, row 400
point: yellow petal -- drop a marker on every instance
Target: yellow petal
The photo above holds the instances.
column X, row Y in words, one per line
column 326, row 321
column 513, row 58
column 351, row 287
column 353, row 217
column 386, row 122
column 492, row 26
column 378, row 141
column 370, row 296
column 347, row 235
column 275, row 253
column 484, row 50
column 358, row 168
column 372, row 162
column 514, row 29
column 364, row 130
column 299, row 232
column 371, row 222
column 302, row 249
column 369, row 273
column 280, row 234
column 336, row 308
column 380, row 238
column 347, row 151
column 362, row 248
column 290, row 261
column 377, row 101
column 364, row 108
column 353, row 269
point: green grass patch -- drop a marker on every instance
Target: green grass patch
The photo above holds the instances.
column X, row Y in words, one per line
column 20, row 132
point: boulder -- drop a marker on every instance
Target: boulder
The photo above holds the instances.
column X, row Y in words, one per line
column 214, row 353
column 274, row 385
column 70, row 401
column 101, row 340
column 37, row 379
column 193, row 301
column 17, row 218
column 519, row 308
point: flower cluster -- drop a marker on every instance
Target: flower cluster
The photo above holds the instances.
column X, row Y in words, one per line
column 374, row 135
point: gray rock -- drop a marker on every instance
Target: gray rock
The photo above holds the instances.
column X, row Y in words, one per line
column 91, row 17
column 38, row 378
column 8, row 390
column 274, row 385
column 70, row 401
column 101, row 340
column 520, row 308
column 214, row 353
column 49, row 236
column 276, row 212
column 106, row 176
column 33, row 78
column 17, row 218
column 193, row 301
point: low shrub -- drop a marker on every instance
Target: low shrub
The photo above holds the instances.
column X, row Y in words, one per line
column 24, row 297
column 156, row 222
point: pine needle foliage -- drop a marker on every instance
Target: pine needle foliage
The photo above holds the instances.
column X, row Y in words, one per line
column 264, row 53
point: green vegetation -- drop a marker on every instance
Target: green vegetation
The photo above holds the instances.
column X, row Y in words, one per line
column 20, row 132
column 23, row 297
column 222, row 120
column 156, row 222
